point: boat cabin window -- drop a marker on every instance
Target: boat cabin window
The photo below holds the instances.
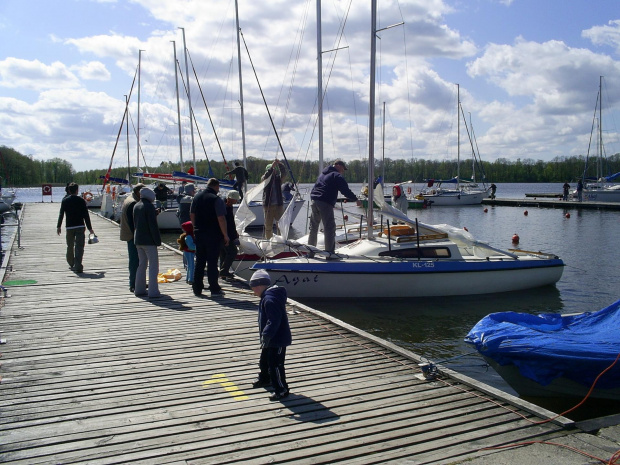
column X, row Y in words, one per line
column 415, row 252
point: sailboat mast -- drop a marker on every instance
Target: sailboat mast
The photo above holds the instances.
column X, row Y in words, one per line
column 383, row 147
column 127, row 136
column 600, row 128
column 319, row 52
column 189, row 100
column 371, row 117
column 240, row 84
column 458, row 136
column 138, row 130
column 176, row 77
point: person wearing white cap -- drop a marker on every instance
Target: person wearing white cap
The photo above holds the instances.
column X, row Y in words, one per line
column 147, row 239
column 185, row 202
column 275, row 334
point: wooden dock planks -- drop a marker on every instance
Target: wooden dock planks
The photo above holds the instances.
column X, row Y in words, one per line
column 92, row 374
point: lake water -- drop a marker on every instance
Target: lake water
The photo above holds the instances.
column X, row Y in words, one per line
column 435, row 327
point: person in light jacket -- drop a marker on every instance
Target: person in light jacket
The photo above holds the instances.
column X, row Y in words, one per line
column 127, row 231
column 147, row 239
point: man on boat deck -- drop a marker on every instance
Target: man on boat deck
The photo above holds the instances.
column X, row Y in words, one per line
column 241, row 178
column 324, row 195
column 76, row 210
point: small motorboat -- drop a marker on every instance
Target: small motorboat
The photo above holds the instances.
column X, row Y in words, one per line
column 553, row 355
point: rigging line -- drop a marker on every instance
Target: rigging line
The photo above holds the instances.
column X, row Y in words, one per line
column 267, row 107
column 120, row 129
column 208, row 112
column 585, row 169
column 193, row 117
column 140, row 145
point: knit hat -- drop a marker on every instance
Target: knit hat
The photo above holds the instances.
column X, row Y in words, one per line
column 148, row 194
column 188, row 228
column 232, row 194
column 138, row 187
column 260, row 278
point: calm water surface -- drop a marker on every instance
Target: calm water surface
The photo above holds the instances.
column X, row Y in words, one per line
column 435, row 327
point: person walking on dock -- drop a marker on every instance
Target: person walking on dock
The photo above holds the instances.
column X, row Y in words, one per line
column 324, row 195
column 275, row 334
column 208, row 215
column 127, row 231
column 147, row 239
column 74, row 207
column 565, row 190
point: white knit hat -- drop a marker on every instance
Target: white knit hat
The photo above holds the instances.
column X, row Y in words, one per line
column 146, row 193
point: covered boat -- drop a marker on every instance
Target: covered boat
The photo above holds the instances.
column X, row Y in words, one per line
column 553, row 355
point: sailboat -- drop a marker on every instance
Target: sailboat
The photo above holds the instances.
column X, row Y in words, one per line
column 464, row 194
column 601, row 188
column 408, row 260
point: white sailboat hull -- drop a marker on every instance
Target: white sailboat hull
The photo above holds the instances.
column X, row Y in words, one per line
column 602, row 195
column 423, row 279
column 455, row 198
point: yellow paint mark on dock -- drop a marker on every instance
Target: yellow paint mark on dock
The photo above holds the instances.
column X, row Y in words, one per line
column 229, row 386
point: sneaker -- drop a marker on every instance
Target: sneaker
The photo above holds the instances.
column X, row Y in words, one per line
column 79, row 270
column 261, row 382
column 333, row 256
column 278, row 396
column 219, row 293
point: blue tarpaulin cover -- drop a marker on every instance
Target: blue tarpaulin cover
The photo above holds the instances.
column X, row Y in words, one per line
column 548, row 346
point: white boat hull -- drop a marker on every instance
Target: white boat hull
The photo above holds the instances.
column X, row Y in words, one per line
column 601, row 195
column 452, row 199
column 414, row 279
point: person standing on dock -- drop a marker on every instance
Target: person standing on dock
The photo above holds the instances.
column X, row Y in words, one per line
column 147, row 239
column 493, row 190
column 324, row 195
column 185, row 202
column 208, row 215
column 565, row 190
column 579, row 190
column 74, row 207
column 229, row 252
column 275, row 334
column 127, row 231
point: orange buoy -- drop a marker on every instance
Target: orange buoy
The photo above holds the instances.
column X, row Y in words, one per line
column 346, row 217
column 567, row 215
column 486, row 210
column 525, row 212
column 515, row 239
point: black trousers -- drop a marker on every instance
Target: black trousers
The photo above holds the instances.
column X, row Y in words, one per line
column 271, row 366
column 207, row 254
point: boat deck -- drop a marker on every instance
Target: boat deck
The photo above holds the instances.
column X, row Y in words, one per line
column 92, row 374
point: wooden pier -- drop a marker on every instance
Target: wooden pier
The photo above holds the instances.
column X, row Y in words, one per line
column 92, row 374
column 535, row 202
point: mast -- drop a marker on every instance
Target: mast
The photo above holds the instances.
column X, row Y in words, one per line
column 240, row 84
column 383, row 147
column 600, row 128
column 319, row 61
column 127, row 135
column 176, row 77
column 138, row 131
column 458, row 136
column 371, row 117
column 189, row 99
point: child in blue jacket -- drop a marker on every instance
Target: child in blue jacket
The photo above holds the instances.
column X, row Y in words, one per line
column 275, row 334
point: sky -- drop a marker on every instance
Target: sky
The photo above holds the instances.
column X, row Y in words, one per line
column 527, row 73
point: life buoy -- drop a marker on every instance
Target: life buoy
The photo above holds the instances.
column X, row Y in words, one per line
column 107, row 189
column 409, row 190
column 47, row 189
column 87, row 196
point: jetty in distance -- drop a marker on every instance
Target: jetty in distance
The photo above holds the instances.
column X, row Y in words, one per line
column 92, row 374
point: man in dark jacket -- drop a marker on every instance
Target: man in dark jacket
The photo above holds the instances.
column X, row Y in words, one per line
column 229, row 252
column 324, row 195
column 241, row 178
column 273, row 200
column 275, row 334
column 127, row 230
column 208, row 215
column 76, row 210
column 147, row 239
column 185, row 202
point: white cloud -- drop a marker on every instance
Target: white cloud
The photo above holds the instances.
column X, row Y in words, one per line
column 605, row 35
column 94, row 70
column 34, row 75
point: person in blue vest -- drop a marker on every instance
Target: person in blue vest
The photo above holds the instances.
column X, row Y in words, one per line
column 275, row 334
column 208, row 215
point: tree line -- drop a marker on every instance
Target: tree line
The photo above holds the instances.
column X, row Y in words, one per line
column 19, row 170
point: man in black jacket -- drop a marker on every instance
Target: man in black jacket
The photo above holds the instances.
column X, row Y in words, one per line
column 76, row 210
